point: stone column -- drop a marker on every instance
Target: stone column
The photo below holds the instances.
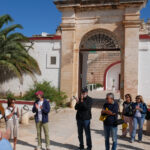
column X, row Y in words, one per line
column 130, row 55
column 66, row 80
column 75, row 79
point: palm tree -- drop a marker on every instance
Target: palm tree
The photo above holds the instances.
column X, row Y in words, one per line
column 14, row 57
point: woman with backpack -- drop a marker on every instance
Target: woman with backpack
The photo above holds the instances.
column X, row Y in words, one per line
column 12, row 120
column 127, row 114
column 140, row 110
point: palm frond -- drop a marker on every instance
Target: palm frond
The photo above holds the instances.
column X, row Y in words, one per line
column 14, row 57
column 5, row 19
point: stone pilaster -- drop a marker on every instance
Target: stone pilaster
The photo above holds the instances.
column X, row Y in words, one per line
column 129, row 54
column 67, row 59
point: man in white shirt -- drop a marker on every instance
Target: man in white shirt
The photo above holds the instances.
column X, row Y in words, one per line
column 41, row 109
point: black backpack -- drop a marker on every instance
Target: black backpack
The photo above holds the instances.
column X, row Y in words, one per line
column 148, row 115
column 129, row 110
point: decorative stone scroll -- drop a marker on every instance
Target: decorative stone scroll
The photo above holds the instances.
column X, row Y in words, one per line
column 99, row 40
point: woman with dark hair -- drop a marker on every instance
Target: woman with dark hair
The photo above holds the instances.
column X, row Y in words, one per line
column 140, row 110
column 127, row 114
column 12, row 117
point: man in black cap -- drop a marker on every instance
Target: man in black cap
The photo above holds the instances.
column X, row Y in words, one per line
column 83, row 116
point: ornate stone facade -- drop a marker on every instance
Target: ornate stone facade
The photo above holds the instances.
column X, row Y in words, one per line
column 119, row 17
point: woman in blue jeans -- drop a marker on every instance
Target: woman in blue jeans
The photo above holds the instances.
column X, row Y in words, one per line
column 140, row 110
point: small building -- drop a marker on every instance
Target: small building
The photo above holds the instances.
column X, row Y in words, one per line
column 46, row 50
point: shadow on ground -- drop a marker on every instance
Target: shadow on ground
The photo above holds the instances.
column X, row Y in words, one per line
column 62, row 145
column 68, row 146
column 98, row 131
column 128, row 147
column 25, row 143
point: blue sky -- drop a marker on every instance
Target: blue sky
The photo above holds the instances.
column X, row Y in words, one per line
column 37, row 16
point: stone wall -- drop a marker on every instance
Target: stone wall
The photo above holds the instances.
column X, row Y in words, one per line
column 98, row 63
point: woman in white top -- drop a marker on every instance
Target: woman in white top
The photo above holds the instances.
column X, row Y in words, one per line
column 12, row 118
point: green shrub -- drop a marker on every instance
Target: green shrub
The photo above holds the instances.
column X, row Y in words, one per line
column 10, row 95
column 98, row 85
column 50, row 93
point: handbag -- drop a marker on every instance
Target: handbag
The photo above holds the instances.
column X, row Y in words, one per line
column 119, row 122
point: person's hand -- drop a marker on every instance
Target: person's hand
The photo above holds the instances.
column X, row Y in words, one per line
column 137, row 108
column 37, row 106
column 82, row 97
column 77, row 100
column 41, row 107
column 5, row 135
column 103, row 111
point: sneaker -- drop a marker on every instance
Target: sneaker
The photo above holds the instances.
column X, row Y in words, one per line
column 38, row 148
column 139, row 141
column 80, row 148
column 123, row 136
column 132, row 141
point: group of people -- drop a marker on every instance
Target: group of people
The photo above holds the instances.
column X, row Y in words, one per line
column 41, row 109
column 132, row 114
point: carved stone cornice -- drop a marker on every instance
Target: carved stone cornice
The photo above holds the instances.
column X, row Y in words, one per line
column 67, row 26
column 96, row 3
column 132, row 23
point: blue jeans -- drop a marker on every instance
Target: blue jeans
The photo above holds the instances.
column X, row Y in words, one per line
column 137, row 121
column 84, row 125
column 110, row 131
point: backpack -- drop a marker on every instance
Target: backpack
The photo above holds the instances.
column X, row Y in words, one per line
column 148, row 114
column 128, row 111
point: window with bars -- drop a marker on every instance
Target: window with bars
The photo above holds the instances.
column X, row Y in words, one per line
column 53, row 60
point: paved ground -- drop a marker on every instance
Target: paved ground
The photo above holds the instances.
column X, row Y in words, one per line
column 102, row 94
column 64, row 136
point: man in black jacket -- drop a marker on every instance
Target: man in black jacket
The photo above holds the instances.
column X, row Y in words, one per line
column 83, row 116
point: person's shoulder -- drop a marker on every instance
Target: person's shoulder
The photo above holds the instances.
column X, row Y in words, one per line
column 116, row 104
column 46, row 101
column 124, row 102
column 105, row 104
column 36, row 101
column 89, row 98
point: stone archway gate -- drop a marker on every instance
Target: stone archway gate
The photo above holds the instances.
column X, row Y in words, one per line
column 121, row 18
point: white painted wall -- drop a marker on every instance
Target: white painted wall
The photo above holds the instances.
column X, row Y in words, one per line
column 113, row 74
column 144, row 69
column 42, row 51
